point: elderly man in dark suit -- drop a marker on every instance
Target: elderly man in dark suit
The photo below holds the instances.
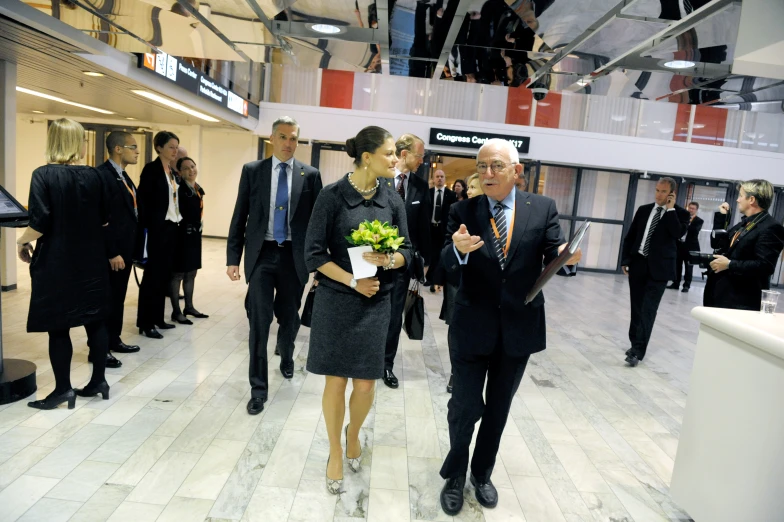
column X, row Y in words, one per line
column 498, row 243
column 690, row 242
column 413, row 189
column 120, row 234
column 648, row 257
column 274, row 203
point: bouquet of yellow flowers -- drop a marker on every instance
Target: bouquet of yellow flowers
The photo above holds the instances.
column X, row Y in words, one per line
column 382, row 237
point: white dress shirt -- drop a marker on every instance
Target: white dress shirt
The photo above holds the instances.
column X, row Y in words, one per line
column 274, row 192
column 173, row 212
column 648, row 224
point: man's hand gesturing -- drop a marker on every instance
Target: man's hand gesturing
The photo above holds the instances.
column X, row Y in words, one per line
column 465, row 242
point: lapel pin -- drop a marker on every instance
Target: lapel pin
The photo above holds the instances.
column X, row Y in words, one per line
column 527, row 202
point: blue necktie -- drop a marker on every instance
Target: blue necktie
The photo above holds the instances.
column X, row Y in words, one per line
column 279, row 230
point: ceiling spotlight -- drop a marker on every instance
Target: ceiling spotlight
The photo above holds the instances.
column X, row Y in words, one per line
column 325, row 28
column 543, row 104
column 174, row 105
column 582, row 82
column 699, row 125
column 129, row 118
column 92, row 73
column 55, row 98
column 37, row 112
column 679, row 64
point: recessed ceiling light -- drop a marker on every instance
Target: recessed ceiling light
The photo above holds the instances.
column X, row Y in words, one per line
column 582, row 82
column 543, row 104
column 55, row 98
column 129, row 118
column 366, row 89
column 92, row 73
column 699, row 125
column 616, row 117
column 524, row 107
column 38, row 112
column 679, row 64
column 174, row 105
column 325, row 28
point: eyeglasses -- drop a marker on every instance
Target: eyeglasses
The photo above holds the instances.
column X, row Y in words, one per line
column 132, row 147
column 417, row 156
column 496, row 167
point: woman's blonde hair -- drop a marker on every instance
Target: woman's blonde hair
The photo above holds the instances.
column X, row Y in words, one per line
column 64, row 141
column 472, row 177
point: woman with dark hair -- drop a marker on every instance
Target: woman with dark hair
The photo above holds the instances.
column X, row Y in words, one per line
column 351, row 317
column 69, row 269
column 187, row 255
column 459, row 188
column 159, row 215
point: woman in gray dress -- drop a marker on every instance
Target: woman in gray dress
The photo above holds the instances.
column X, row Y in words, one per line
column 351, row 317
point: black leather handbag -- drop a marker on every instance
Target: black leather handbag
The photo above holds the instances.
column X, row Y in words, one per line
column 307, row 310
column 414, row 314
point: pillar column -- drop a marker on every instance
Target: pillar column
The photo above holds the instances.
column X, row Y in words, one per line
column 8, row 168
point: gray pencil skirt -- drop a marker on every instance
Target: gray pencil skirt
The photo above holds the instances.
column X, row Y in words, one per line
column 348, row 334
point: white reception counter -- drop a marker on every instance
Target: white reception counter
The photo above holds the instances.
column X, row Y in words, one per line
column 730, row 461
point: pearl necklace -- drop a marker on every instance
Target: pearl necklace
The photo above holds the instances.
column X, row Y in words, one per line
column 364, row 192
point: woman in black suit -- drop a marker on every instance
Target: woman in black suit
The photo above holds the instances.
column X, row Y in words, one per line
column 187, row 259
column 69, row 272
column 159, row 214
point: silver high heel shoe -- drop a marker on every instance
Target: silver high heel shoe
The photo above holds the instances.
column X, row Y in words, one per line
column 333, row 486
column 354, row 464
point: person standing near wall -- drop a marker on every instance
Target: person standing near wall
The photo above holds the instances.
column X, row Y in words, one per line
column 271, row 215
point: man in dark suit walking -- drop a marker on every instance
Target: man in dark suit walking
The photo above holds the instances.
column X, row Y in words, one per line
column 274, row 203
column 413, row 190
column 738, row 276
column 648, row 257
column 120, row 234
column 492, row 332
column 690, row 242
column 441, row 199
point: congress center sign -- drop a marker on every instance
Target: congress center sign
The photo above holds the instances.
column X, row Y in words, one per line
column 474, row 140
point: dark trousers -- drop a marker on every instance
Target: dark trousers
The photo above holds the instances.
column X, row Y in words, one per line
column 118, row 282
column 157, row 273
column 645, row 295
column 683, row 264
column 61, row 352
column 470, row 372
column 274, row 290
column 398, row 300
column 437, row 233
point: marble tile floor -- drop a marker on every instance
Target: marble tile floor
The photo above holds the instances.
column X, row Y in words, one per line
column 588, row 439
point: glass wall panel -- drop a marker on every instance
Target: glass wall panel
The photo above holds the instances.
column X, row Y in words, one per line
column 646, row 190
column 458, row 100
column 612, row 115
column 559, row 183
column 601, row 246
column 709, row 199
column 657, row 120
column 572, row 111
column 603, row 194
column 566, row 228
column 399, row 94
column 763, row 131
column 363, row 83
column 333, row 165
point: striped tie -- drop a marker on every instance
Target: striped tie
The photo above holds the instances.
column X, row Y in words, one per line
column 654, row 222
column 500, row 225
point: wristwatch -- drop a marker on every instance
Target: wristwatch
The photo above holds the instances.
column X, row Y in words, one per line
column 353, row 284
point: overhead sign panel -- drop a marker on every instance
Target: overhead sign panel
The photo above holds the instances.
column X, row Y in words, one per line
column 474, row 140
column 194, row 81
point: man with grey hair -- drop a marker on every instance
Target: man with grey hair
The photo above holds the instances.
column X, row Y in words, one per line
column 274, row 203
column 497, row 243
column 738, row 275
column 648, row 257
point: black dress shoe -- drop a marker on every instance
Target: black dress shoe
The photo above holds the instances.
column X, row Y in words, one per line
column 452, row 496
column 390, row 379
column 165, row 326
column 685, row 289
column 632, row 360
column 152, row 333
column 673, row 286
column 628, row 352
column 111, row 360
column 181, row 319
column 91, row 390
column 449, row 384
column 195, row 313
column 287, row 370
column 125, row 348
column 53, row 400
column 255, row 406
column 486, row 494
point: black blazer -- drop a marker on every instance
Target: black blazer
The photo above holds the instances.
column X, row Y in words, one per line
column 419, row 210
column 121, row 231
column 692, row 241
column 152, row 197
column 663, row 251
column 251, row 213
column 489, row 303
column 448, row 198
column 753, row 259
